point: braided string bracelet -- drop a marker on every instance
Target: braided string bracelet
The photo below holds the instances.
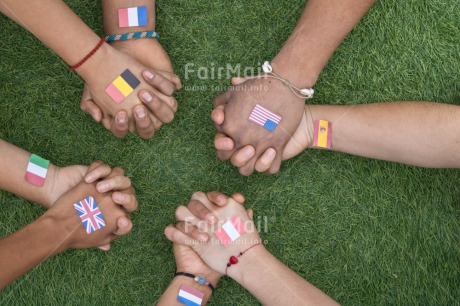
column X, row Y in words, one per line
column 234, row 259
column 199, row 279
column 91, row 53
column 134, row 35
column 303, row 93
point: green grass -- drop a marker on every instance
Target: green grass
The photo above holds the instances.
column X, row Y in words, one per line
column 366, row 232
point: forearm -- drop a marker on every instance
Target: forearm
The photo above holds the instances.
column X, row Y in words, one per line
column 29, row 247
column 416, row 133
column 272, row 283
column 323, row 25
column 169, row 297
column 110, row 15
column 13, row 165
column 56, row 25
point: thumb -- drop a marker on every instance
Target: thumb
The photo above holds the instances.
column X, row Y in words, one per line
column 250, row 213
column 88, row 106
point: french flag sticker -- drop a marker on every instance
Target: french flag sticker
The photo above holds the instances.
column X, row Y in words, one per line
column 132, row 17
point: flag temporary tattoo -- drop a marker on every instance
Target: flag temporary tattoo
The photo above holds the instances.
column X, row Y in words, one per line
column 90, row 215
column 265, row 118
column 123, row 86
column 36, row 170
column 189, row 296
column 322, row 137
column 230, row 231
column 132, row 17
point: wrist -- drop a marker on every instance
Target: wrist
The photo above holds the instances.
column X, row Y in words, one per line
column 55, row 236
column 208, row 280
column 94, row 63
column 294, row 69
column 252, row 262
column 47, row 190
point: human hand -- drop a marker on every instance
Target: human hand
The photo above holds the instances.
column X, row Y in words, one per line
column 300, row 140
column 65, row 178
column 116, row 215
column 236, row 106
column 146, row 109
column 213, row 253
column 187, row 260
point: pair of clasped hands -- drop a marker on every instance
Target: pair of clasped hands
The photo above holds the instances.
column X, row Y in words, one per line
column 247, row 145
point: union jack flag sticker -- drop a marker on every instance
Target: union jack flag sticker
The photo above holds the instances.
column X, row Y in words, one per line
column 90, row 215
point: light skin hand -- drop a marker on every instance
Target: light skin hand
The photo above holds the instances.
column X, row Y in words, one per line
column 213, row 253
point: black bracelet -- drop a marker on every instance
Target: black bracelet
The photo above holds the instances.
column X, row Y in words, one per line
column 200, row 280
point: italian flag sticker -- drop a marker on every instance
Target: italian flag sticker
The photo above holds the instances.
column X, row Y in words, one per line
column 36, row 170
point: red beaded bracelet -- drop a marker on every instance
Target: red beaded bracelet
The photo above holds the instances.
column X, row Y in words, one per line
column 234, row 259
column 76, row 66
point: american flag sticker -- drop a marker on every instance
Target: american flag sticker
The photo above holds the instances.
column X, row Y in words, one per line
column 122, row 86
column 230, row 231
column 90, row 215
column 132, row 17
column 189, row 296
column 322, row 136
column 37, row 170
column 265, row 118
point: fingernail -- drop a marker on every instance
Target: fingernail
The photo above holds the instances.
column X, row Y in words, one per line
column 89, row 178
column 210, row 218
column 271, row 153
column 102, row 187
column 203, row 237
column 121, row 118
column 248, row 152
column 148, row 75
column 228, row 145
column 140, row 112
column 147, row 97
column 119, row 196
column 123, row 223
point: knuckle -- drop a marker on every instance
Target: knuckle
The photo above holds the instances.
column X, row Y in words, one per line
column 118, row 171
column 169, row 117
column 197, row 195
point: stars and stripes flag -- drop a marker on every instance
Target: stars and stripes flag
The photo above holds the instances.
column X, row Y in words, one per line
column 90, row 215
column 230, row 231
column 265, row 118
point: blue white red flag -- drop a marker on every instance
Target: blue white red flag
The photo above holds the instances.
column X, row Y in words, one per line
column 90, row 215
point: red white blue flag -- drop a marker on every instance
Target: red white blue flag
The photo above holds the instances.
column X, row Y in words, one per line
column 265, row 118
column 230, row 231
column 90, row 215
column 189, row 296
